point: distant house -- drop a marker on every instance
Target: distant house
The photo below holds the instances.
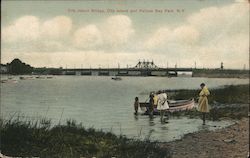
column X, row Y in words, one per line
column 4, row 69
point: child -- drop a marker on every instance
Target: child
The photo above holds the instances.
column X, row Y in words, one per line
column 136, row 105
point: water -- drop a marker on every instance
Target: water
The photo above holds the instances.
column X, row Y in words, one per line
column 105, row 104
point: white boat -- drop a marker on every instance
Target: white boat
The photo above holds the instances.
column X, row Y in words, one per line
column 174, row 105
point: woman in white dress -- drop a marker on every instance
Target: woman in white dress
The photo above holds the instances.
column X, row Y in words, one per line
column 162, row 105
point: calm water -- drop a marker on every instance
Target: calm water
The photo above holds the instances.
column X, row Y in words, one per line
column 102, row 103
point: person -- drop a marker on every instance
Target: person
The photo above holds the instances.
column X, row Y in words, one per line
column 136, row 105
column 151, row 104
column 162, row 105
column 155, row 100
column 203, row 106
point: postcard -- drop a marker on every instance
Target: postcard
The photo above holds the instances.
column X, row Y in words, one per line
column 124, row 78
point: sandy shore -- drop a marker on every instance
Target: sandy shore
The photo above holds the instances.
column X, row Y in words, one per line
column 232, row 141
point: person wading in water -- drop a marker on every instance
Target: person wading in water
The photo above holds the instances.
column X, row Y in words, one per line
column 203, row 106
column 162, row 105
column 151, row 105
column 136, row 105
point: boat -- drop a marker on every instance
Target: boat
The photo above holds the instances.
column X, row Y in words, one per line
column 4, row 81
column 9, row 81
column 40, row 77
column 116, row 78
column 174, row 105
column 22, row 78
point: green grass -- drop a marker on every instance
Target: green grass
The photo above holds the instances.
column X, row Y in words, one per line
column 228, row 94
column 26, row 139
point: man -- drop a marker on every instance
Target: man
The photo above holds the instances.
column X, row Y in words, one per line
column 203, row 106
column 162, row 105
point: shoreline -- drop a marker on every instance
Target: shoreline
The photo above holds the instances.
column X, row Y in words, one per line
column 231, row 141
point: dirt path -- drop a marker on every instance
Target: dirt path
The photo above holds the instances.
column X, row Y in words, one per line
column 229, row 142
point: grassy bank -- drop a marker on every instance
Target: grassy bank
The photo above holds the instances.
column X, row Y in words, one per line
column 228, row 94
column 229, row 101
column 39, row 139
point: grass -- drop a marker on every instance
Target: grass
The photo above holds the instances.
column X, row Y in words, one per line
column 229, row 94
column 40, row 139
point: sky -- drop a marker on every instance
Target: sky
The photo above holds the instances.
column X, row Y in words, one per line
column 99, row 33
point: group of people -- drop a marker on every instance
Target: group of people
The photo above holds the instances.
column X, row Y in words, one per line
column 159, row 101
column 156, row 101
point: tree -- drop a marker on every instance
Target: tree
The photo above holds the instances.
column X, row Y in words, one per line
column 17, row 67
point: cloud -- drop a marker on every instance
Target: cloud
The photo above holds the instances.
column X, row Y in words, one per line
column 26, row 28
column 212, row 34
column 117, row 30
column 216, row 22
column 87, row 37
column 31, row 28
column 110, row 34
column 164, row 37
column 29, row 33
column 56, row 27
column 186, row 35
column 209, row 35
column 56, row 34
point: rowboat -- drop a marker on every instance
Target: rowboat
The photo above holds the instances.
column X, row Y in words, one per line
column 174, row 105
column 116, row 78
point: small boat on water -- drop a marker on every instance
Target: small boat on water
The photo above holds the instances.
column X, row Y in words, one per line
column 22, row 78
column 25, row 78
column 4, row 81
column 40, row 77
column 116, row 78
column 9, row 81
column 174, row 105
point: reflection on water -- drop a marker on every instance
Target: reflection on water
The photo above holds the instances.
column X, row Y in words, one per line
column 175, row 128
column 102, row 103
column 151, row 121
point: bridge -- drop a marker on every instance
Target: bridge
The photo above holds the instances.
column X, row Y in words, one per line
column 146, row 69
column 142, row 68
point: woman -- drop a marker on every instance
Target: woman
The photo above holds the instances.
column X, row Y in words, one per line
column 203, row 106
column 162, row 105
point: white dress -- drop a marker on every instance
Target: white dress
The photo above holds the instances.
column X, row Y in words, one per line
column 162, row 102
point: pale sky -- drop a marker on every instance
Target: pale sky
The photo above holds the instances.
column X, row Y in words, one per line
column 69, row 33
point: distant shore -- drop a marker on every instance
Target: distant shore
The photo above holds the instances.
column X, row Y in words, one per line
column 142, row 68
